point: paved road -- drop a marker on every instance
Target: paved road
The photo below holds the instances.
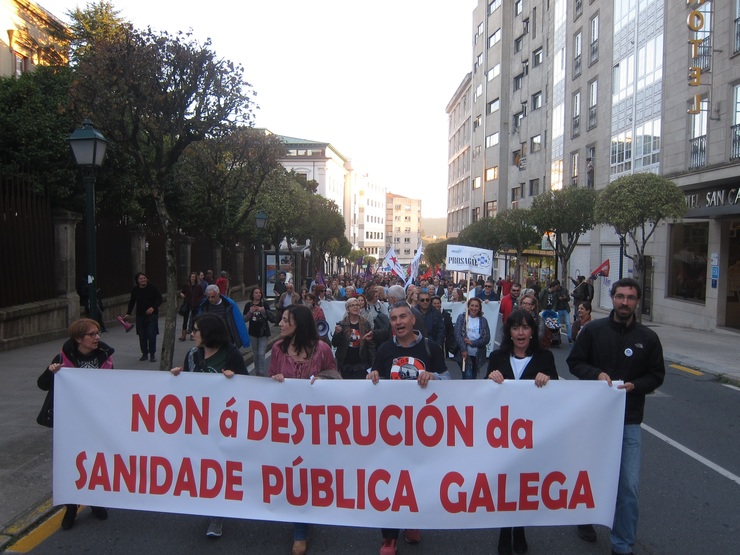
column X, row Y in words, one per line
column 690, row 497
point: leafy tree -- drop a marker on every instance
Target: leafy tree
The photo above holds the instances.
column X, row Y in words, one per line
column 567, row 213
column 634, row 205
column 516, row 231
column 436, row 253
column 153, row 95
column 322, row 223
column 98, row 21
column 483, row 233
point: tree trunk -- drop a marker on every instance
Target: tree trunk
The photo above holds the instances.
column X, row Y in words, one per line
column 170, row 323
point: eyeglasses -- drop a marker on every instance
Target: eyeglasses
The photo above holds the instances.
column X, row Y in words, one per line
column 488, row 286
column 620, row 297
column 93, row 334
column 424, row 300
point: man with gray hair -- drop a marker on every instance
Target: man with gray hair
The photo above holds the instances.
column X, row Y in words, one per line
column 216, row 303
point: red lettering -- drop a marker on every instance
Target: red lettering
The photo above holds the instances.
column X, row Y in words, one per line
column 385, row 415
column 208, row 466
column 157, row 463
column 143, row 475
column 404, row 495
column 554, row 503
column 279, row 416
column 361, row 488
column 528, row 487
column 140, row 412
column 582, row 494
column 99, row 474
column 167, row 402
column 200, row 417
column 455, row 424
column 322, row 494
column 481, row 496
column 127, row 473
column 185, row 479
column 516, row 439
column 503, row 504
column 272, row 482
column 409, row 425
column 82, row 473
column 254, row 410
column 315, row 412
column 233, row 479
column 357, row 434
column 375, row 478
column 342, row 501
column 337, row 425
column 295, row 415
column 301, row 498
column 452, row 506
column 497, row 430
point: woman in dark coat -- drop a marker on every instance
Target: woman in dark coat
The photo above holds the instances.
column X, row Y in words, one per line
column 258, row 316
column 520, row 358
column 83, row 349
column 192, row 294
column 355, row 353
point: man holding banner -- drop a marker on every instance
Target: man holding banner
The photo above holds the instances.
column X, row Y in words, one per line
column 621, row 348
column 407, row 356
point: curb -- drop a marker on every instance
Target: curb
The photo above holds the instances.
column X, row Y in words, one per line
column 25, row 523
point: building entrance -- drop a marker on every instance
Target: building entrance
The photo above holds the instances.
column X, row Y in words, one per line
column 733, row 277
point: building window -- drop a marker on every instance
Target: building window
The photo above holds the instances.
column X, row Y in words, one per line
column 593, row 97
column 536, row 101
column 21, row 64
column 577, row 9
column 535, row 143
column 517, row 121
column 534, row 187
column 492, row 173
column 700, row 47
column 518, row 7
column 576, row 114
column 574, row 159
column 621, row 153
column 735, row 154
column 518, row 43
column 594, row 50
column 698, row 142
column 476, row 183
column 689, row 250
column 492, row 140
column 518, row 81
column 475, row 214
column 491, row 208
column 477, row 122
column 494, row 38
column 493, row 5
column 538, row 57
column 478, row 92
column 647, row 144
column 478, row 62
column 493, row 106
column 495, row 71
column 577, row 51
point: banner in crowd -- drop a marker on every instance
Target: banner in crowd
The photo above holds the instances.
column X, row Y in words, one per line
column 469, row 259
column 457, row 454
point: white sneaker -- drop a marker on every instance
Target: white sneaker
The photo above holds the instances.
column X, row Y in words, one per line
column 214, row 528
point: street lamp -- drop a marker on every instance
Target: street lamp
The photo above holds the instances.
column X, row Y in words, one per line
column 261, row 222
column 88, row 147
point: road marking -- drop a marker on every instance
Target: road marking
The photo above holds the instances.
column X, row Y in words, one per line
column 693, row 454
column 33, row 538
column 736, row 388
column 687, row 369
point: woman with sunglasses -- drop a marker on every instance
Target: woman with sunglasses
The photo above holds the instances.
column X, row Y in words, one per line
column 83, row 349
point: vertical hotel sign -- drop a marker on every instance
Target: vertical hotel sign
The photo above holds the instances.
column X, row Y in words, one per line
column 696, row 23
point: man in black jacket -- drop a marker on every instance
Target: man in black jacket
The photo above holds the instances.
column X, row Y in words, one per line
column 620, row 348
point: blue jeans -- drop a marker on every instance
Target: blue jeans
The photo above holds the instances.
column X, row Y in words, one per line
column 300, row 531
column 259, row 348
column 147, row 329
column 624, row 529
column 564, row 316
column 471, row 368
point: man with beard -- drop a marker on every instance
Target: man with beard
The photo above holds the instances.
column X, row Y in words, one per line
column 621, row 348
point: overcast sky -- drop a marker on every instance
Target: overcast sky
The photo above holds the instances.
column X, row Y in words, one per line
column 371, row 78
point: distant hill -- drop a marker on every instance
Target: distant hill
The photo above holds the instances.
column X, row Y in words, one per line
column 434, row 226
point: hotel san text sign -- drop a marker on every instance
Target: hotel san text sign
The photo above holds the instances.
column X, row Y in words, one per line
column 695, row 23
column 713, row 198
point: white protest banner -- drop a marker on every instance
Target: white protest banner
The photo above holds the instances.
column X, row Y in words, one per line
column 469, row 259
column 458, row 454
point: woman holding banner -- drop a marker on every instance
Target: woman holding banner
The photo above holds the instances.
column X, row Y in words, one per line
column 472, row 335
column 83, row 349
column 213, row 354
column 520, row 358
column 301, row 354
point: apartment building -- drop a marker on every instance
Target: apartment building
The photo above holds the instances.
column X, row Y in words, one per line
column 402, row 226
column 369, row 198
column 578, row 93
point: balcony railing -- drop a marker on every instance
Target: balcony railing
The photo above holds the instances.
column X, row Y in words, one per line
column 704, row 53
column 592, row 117
column 735, row 131
column 576, row 66
column 698, row 156
column 576, row 125
column 594, row 51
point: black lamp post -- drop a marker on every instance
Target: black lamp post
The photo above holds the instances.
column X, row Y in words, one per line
column 88, row 147
column 261, row 222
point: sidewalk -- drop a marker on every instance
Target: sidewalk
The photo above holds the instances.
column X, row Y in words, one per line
column 26, row 447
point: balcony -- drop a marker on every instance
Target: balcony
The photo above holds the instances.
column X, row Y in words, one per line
column 576, row 126
column 592, row 117
column 735, row 132
column 594, row 52
column 576, row 66
column 698, row 155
